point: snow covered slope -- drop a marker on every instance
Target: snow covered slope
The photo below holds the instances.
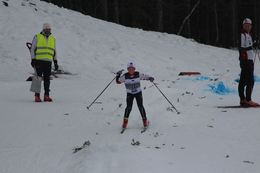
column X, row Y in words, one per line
column 39, row 138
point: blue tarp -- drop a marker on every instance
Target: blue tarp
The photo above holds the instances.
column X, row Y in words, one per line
column 202, row 78
column 257, row 78
column 220, row 88
column 217, row 87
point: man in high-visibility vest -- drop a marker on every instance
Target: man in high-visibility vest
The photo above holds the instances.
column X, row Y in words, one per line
column 43, row 52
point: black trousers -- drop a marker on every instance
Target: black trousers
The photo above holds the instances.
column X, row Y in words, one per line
column 43, row 69
column 139, row 101
column 246, row 79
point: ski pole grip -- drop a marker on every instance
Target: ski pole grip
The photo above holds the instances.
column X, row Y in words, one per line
column 29, row 45
column 119, row 72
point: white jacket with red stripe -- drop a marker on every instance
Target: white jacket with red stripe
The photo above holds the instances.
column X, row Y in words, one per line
column 132, row 82
column 246, row 46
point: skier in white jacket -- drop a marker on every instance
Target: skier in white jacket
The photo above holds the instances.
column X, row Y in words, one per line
column 246, row 57
column 133, row 88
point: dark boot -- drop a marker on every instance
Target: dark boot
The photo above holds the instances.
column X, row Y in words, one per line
column 37, row 99
column 125, row 122
column 47, row 98
column 146, row 123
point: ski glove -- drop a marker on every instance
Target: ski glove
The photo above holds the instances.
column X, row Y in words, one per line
column 56, row 66
column 119, row 72
column 33, row 62
column 151, row 79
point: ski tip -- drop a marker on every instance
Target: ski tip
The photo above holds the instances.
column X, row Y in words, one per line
column 143, row 130
column 122, row 131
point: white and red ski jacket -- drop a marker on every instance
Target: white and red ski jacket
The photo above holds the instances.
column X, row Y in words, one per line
column 132, row 82
column 246, row 46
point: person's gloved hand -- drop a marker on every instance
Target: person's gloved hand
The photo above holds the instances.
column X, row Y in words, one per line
column 56, row 66
column 33, row 62
column 151, row 79
column 119, row 72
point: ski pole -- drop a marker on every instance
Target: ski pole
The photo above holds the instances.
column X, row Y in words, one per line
column 29, row 45
column 102, row 91
column 166, row 98
column 259, row 56
column 256, row 53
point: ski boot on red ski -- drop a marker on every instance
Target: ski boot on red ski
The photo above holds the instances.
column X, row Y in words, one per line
column 125, row 123
column 146, row 125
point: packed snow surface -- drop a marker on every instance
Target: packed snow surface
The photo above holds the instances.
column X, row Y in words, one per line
column 40, row 137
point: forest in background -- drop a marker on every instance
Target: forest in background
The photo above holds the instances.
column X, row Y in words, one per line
column 214, row 22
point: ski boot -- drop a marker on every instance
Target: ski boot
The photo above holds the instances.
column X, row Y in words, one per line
column 244, row 103
column 37, row 98
column 47, row 98
column 145, row 123
column 252, row 104
column 125, row 122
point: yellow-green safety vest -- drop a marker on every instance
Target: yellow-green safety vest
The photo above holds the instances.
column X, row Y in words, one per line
column 45, row 48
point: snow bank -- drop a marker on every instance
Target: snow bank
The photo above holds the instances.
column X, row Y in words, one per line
column 41, row 137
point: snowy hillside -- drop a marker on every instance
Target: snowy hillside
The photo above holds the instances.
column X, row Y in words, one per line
column 39, row 138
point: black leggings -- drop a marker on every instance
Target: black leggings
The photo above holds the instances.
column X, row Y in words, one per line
column 139, row 100
column 246, row 79
column 43, row 68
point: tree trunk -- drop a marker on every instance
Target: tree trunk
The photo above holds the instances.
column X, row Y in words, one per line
column 234, row 23
column 188, row 16
column 255, row 22
column 104, row 9
column 216, row 22
column 188, row 28
column 160, row 15
column 95, row 5
column 116, row 11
